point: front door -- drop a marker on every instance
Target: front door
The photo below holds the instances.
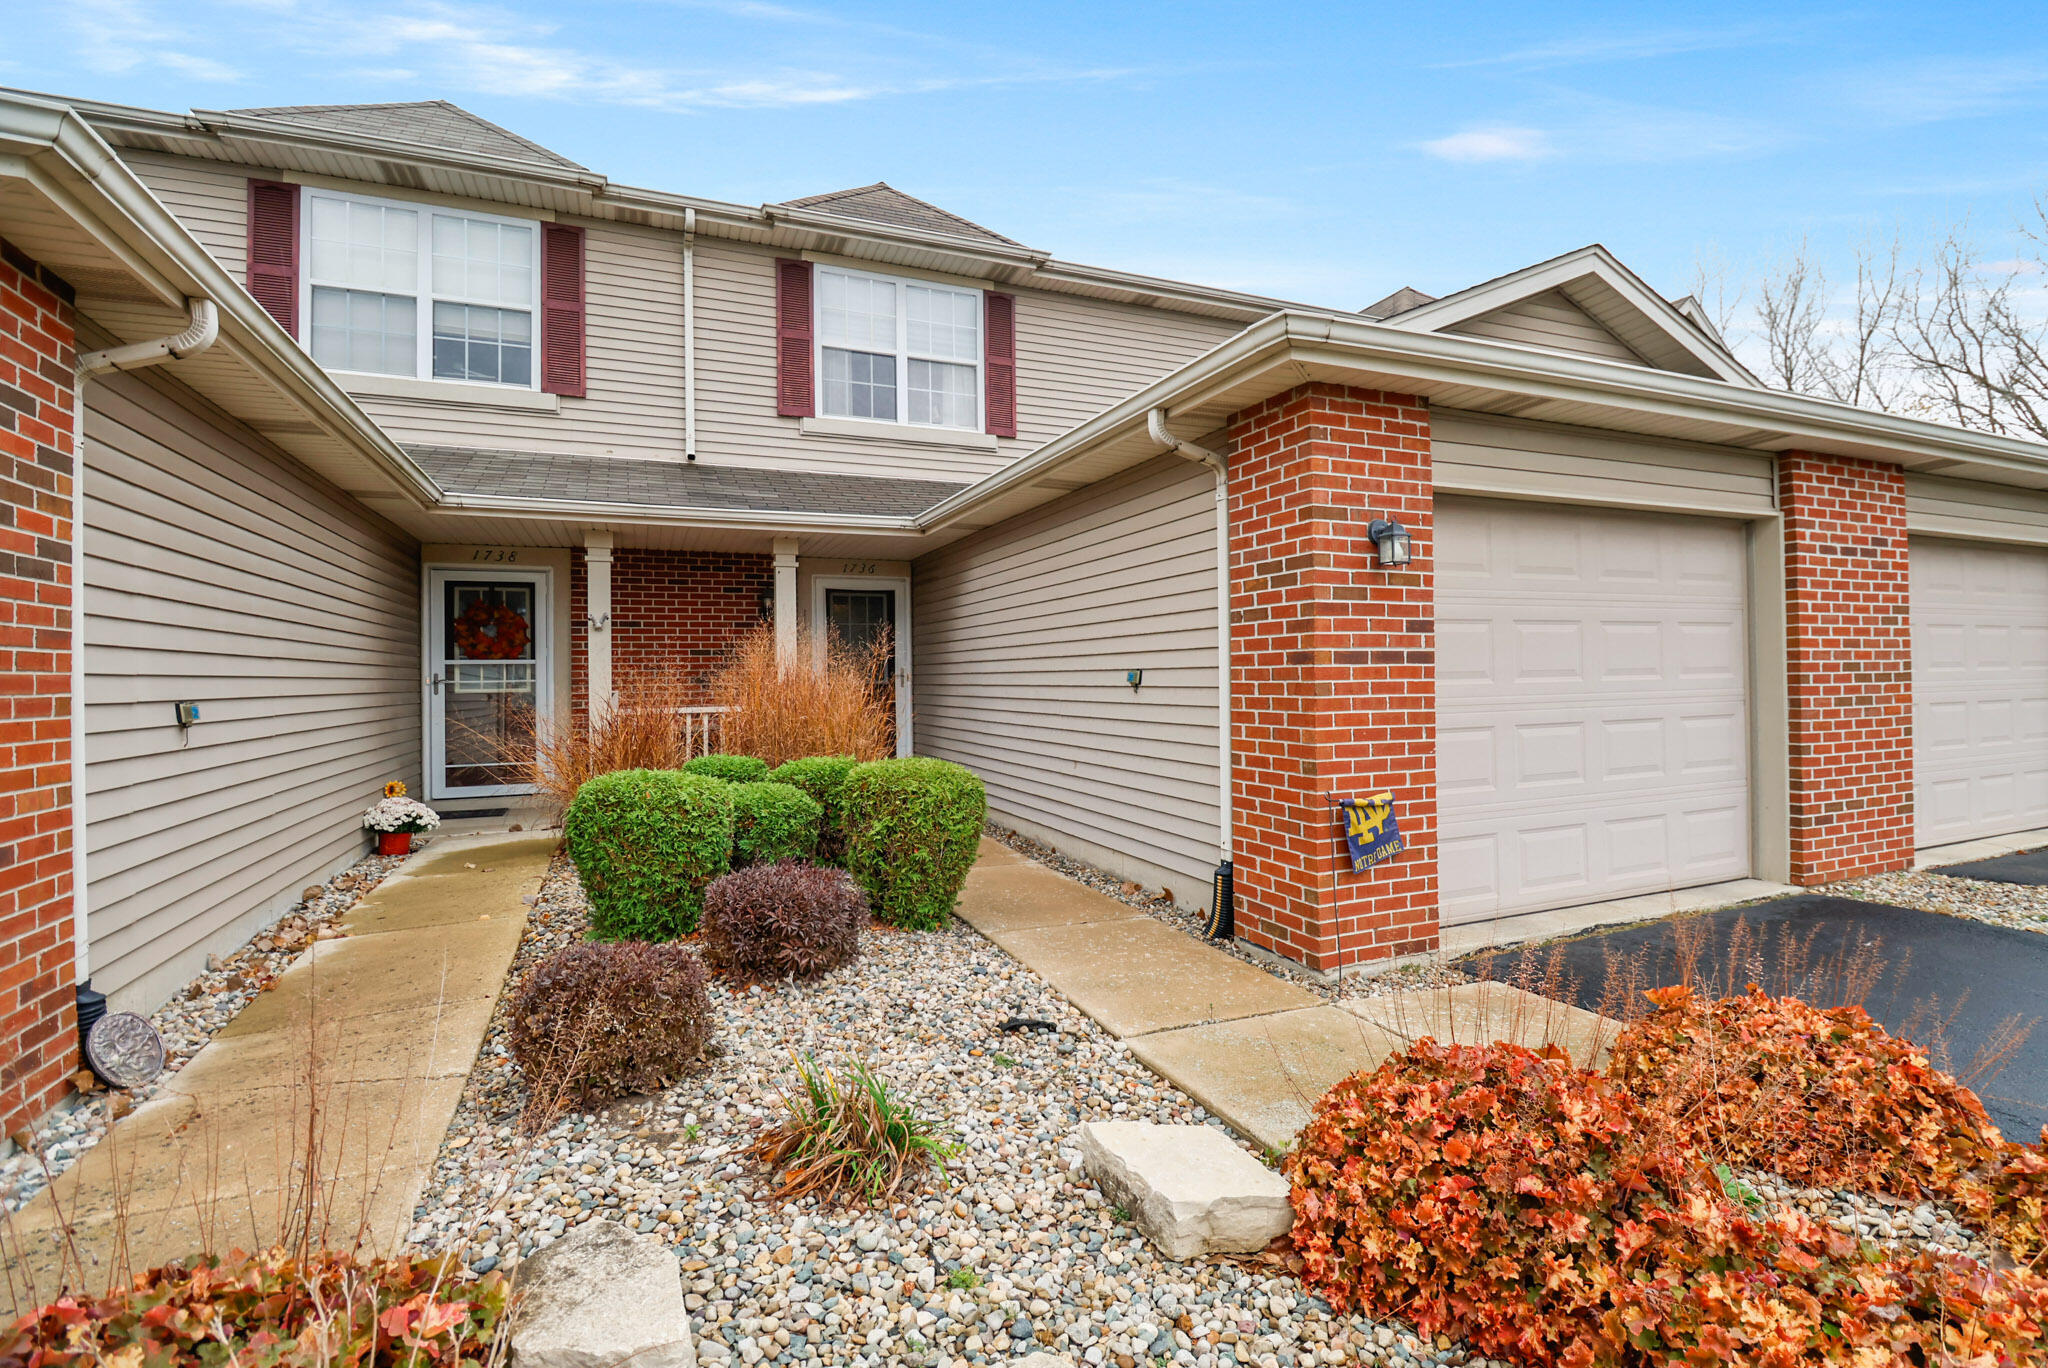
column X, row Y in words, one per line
column 487, row 680
column 860, row 613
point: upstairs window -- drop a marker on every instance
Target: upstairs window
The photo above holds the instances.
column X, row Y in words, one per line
column 898, row 351
column 403, row 289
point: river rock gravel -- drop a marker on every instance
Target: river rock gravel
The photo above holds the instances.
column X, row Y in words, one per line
column 1010, row 1252
column 191, row 1018
column 2023, row 907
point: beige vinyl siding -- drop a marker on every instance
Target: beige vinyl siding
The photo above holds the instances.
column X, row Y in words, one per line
column 218, row 572
column 1021, row 637
column 210, row 199
column 1964, row 508
column 1479, row 454
column 1553, row 321
column 1075, row 356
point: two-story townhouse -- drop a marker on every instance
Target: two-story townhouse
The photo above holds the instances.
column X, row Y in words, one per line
column 1173, row 568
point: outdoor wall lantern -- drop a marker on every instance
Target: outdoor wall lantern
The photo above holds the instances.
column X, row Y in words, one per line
column 1391, row 539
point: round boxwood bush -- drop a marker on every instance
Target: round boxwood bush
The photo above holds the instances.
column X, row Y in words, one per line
column 773, row 822
column 912, row 827
column 734, row 769
column 824, row 778
column 594, row 1022
column 771, row 921
column 645, row 842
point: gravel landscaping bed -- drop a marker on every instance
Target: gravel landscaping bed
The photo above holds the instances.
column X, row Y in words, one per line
column 2022, row 906
column 187, row 1022
column 1193, row 921
column 1013, row 1250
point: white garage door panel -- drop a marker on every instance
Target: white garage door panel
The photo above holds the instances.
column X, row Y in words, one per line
column 1592, row 737
column 1980, row 689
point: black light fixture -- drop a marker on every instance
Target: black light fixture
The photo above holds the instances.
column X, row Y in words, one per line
column 1392, row 541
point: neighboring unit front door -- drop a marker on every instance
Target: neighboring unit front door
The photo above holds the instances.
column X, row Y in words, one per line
column 487, row 680
column 865, row 616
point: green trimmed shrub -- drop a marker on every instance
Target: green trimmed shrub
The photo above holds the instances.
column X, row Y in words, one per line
column 824, row 778
column 645, row 842
column 912, row 828
column 772, row 822
column 734, row 769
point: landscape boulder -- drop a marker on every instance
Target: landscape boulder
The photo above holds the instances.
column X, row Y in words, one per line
column 602, row 1297
column 1189, row 1189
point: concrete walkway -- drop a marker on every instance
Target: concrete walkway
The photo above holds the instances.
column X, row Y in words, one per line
column 1254, row 1049
column 320, row 1107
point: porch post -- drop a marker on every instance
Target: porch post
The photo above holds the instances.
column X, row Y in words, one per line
column 597, row 566
column 785, row 601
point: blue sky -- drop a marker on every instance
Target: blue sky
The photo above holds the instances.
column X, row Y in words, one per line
column 1327, row 154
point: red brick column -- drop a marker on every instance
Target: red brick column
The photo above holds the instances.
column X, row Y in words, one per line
column 38, row 1026
column 672, row 611
column 1334, row 671
column 1849, row 666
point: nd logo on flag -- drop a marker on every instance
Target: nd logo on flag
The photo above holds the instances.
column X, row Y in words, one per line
column 1370, row 831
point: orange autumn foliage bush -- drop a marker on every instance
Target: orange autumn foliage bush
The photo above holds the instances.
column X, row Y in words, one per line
column 1506, row 1198
column 1827, row 1098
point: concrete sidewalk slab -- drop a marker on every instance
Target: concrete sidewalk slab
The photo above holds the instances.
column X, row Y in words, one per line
column 1262, row 1075
column 1136, row 975
column 1484, row 1013
column 348, row 1068
column 1004, row 898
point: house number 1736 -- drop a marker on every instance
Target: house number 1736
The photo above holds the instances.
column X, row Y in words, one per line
column 857, row 568
column 497, row 555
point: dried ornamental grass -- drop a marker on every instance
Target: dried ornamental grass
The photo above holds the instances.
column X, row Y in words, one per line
column 837, row 703
column 846, row 1139
column 787, row 920
column 276, row 1310
column 652, row 726
column 596, row 1022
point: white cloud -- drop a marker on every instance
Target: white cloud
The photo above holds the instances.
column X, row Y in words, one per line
column 1496, row 144
column 1628, row 47
column 116, row 36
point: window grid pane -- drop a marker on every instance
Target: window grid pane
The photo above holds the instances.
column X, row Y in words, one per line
column 859, row 385
column 365, row 246
column 358, row 330
column 945, row 324
column 475, row 343
column 488, row 262
column 941, row 394
column 854, row 311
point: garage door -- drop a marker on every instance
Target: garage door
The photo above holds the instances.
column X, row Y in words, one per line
column 1980, row 689
column 1591, row 705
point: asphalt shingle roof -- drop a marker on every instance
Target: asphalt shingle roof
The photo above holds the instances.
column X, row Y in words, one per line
column 564, row 476
column 884, row 203
column 431, row 123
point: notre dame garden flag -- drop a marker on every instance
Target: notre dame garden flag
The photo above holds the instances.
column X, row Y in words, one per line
column 1370, row 832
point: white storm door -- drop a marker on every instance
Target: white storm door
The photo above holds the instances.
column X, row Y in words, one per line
column 488, row 679
column 1592, row 705
column 1980, row 689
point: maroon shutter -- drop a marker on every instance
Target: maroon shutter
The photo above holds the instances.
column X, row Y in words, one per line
column 796, row 391
column 561, row 310
column 999, row 364
column 274, row 251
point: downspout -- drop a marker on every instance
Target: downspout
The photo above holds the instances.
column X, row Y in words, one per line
column 1222, row 906
column 199, row 334
column 689, row 334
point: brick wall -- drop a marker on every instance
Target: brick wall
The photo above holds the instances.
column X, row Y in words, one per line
column 671, row 611
column 38, row 1030
column 1334, row 671
column 1850, row 666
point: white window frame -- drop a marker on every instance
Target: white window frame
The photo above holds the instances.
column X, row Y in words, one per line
column 902, row 355
column 423, row 296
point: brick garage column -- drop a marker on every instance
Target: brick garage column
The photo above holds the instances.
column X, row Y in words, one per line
column 1849, row 666
column 1334, row 671
column 38, row 1027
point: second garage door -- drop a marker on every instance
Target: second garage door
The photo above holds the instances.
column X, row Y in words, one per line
column 1980, row 689
column 1592, row 705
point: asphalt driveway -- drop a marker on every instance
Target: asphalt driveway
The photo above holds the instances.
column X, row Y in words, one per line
column 1952, row 984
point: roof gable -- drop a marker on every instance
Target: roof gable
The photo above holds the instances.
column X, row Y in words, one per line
column 884, row 203
column 1585, row 302
column 429, row 123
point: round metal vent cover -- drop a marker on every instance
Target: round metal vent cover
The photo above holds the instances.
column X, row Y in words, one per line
column 124, row 1050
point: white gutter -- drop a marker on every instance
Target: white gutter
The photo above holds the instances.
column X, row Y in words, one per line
column 196, row 337
column 1155, row 421
column 689, row 334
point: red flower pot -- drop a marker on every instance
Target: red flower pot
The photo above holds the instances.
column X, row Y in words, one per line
column 394, row 843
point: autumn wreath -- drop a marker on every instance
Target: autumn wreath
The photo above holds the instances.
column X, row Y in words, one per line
column 491, row 631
